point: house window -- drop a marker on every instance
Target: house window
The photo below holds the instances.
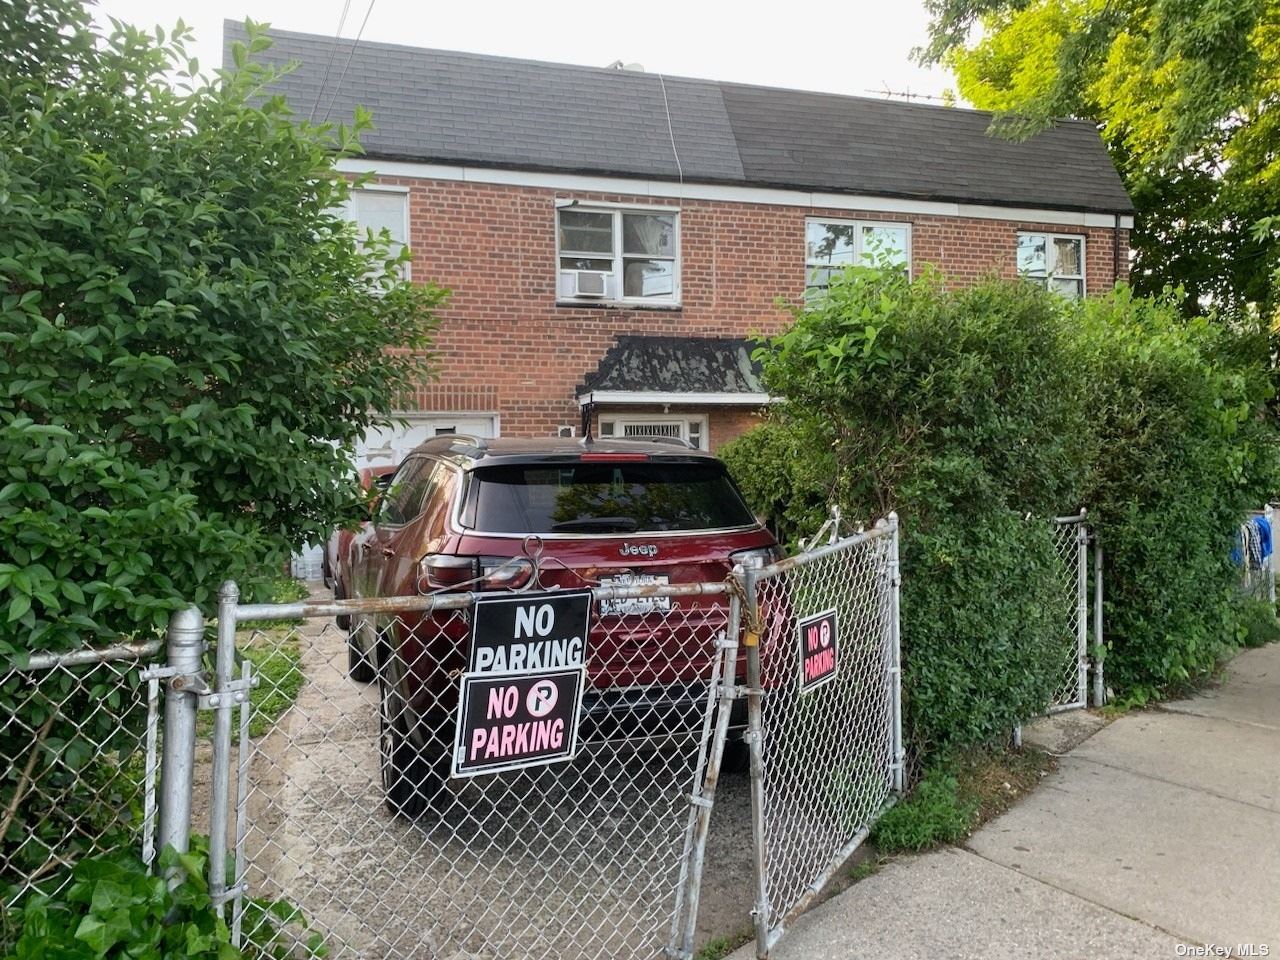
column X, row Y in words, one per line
column 1053, row 260
column 375, row 209
column 830, row 246
column 619, row 255
column 691, row 429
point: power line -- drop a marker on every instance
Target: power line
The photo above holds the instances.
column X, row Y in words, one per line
column 906, row 95
column 333, row 52
column 342, row 76
column 672, row 134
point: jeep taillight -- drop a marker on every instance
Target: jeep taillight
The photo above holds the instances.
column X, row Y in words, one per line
column 504, row 573
column 441, row 571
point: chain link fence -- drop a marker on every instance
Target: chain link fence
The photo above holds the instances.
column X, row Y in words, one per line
column 73, row 749
column 537, row 794
column 474, row 776
column 825, row 714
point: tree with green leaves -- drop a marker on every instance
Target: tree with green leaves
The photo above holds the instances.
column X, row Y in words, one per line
column 1187, row 96
column 192, row 336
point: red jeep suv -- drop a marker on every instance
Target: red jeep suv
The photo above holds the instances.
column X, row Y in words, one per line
column 467, row 514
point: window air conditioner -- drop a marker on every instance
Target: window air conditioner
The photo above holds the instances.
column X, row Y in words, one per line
column 586, row 283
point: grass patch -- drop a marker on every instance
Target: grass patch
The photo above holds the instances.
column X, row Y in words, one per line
column 957, row 796
column 932, row 814
column 720, row 947
column 277, row 663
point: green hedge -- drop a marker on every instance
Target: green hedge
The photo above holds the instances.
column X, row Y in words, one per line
column 980, row 413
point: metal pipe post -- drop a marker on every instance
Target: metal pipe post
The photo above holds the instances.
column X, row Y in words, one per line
column 755, row 744
column 177, row 764
column 705, row 795
column 1099, row 645
column 1082, row 614
column 221, row 701
column 895, row 642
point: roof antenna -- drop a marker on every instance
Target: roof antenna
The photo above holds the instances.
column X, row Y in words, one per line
column 588, row 414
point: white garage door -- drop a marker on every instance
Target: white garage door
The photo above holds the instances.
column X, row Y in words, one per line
column 390, row 446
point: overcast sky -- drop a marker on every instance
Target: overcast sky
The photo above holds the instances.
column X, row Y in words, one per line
column 857, row 47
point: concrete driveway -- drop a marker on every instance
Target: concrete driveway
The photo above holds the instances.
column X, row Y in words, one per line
column 1158, row 836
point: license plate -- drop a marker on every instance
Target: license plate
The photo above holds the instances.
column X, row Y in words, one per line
column 638, row 605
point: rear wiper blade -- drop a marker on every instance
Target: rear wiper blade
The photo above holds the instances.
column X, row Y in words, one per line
column 626, row 524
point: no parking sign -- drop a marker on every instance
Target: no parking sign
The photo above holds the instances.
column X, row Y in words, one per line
column 520, row 699
column 818, row 649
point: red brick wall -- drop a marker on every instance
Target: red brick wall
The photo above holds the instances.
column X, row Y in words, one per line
column 504, row 344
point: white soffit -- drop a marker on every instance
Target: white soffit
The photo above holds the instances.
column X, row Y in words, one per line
column 726, row 192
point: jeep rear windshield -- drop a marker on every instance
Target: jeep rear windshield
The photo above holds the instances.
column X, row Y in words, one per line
column 619, row 497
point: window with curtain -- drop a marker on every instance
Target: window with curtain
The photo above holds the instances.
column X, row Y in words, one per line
column 1053, row 260
column 635, row 251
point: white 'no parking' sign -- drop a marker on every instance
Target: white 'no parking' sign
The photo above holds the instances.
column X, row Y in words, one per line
column 520, row 699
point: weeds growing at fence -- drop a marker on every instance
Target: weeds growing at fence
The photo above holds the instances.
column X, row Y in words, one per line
column 934, row 813
column 717, row 948
column 956, row 796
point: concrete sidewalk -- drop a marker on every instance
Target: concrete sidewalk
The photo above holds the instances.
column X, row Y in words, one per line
column 1161, row 831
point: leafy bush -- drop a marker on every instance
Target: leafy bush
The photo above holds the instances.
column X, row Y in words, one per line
column 191, row 339
column 192, row 335
column 934, row 813
column 979, row 414
column 783, row 478
column 1257, row 623
column 956, row 409
column 1184, row 449
column 114, row 909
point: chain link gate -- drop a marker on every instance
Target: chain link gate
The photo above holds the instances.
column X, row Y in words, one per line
column 825, row 714
column 386, row 784
column 397, row 834
column 1071, row 540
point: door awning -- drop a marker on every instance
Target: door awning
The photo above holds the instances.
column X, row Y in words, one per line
column 713, row 371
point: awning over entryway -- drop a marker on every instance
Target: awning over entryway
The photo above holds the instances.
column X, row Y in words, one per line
column 684, row 370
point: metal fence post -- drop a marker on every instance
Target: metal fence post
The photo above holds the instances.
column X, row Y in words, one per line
column 1099, row 660
column 755, row 744
column 1082, row 610
column 895, row 627
column 177, row 764
column 221, row 700
column 705, row 793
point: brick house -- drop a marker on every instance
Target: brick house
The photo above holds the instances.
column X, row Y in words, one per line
column 612, row 237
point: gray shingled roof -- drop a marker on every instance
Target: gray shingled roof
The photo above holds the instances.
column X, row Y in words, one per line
column 676, row 365
column 463, row 108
